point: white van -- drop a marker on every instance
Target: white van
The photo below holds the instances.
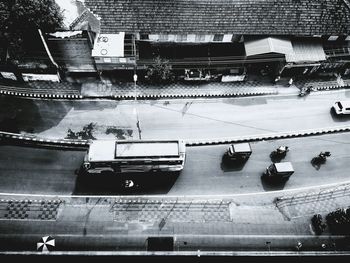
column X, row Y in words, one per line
column 342, row 107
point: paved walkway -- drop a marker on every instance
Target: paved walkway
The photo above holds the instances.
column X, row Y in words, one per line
column 128, row 90
column 127, row 223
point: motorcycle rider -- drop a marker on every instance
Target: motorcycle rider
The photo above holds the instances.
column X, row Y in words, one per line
column 282, row 149
column 324, row 155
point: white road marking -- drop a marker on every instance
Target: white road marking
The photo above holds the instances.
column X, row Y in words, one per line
column 278, row 192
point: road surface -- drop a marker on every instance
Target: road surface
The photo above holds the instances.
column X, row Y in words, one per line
column 185, row 119
column 43, row 171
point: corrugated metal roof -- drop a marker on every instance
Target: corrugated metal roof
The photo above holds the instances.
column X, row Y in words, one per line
column 271, row 17
column 306, row 51
column 268, row 45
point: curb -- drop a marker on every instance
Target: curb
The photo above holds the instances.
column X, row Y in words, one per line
column 266, row 137
column 84, row 144
column 132, row 97
column 42, row 95
column 155, row 96
column 332, row 87
column 172, row 96
column 43, row 142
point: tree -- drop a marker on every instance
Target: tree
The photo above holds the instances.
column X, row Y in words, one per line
column 160, row 71
column 19, row 18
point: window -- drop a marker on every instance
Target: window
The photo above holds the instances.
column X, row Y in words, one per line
column 333, row 38
column 339, row 105
column 218, row 37
column 163, row 37
column 107, row 60
column 181, row 38
column 200, row 38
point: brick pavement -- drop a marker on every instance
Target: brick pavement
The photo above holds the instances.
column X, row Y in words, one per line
column 127, row 223
column 29, row 209
column 308, row 204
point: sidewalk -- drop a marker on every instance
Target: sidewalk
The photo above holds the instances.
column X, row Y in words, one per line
column 126, row 223
column 128, row 90
column 100, row 89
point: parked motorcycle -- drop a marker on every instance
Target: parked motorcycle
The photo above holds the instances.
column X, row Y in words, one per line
column 304, row 91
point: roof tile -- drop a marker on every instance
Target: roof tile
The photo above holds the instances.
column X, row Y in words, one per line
column 274, row 17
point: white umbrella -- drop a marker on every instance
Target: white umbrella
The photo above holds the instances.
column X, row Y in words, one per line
column 46, row 244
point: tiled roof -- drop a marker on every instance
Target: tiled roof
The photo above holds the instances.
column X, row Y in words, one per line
column 273, row 17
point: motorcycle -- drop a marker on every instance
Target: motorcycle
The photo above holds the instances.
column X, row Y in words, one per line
column 304, row 91
column 321, row 158
column 280, row 152
column 317, row 223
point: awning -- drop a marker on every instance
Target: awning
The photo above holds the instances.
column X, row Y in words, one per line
column 109, row 45
column 65, row 34
column 268, row 45
column 306, row 51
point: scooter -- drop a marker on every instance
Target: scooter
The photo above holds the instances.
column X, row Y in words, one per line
column 304, row 91
column 280, row 152
column 321, row 158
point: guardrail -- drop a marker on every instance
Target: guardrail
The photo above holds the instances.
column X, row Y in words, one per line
column 332, row 87
column 270, row 136
column 43, row 142
column 83, row 144
column 29, row 94
column 41, row 95
column 202, row 95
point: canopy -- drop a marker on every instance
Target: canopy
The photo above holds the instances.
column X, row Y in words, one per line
column 268, row 45
column 306, row 51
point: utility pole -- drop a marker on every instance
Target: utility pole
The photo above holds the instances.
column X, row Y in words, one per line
column 135, row 109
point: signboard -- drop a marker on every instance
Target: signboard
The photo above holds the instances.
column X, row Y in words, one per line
column 8, row 75
column 41, row 77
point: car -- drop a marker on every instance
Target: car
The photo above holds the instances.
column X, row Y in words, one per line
column 342, row 107
column 278, row 171
column 238, row 152
column 234, row 75
column 197, row 75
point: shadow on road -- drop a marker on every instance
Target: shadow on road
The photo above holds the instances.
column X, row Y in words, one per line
column 316, row 164
column 230, row 166
column 114, row 184
column 339, row 118
column 275, row 158
column 272, row 185
column 31, row 116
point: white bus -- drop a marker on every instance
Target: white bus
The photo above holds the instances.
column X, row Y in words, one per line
column 134, row 156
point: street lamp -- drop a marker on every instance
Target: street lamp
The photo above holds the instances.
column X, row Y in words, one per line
column 135, row 110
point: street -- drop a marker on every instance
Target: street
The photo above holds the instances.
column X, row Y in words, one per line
column 41, row 171
column 198, row 119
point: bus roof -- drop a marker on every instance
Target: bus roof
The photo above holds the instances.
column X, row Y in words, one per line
column 108, row 150
column 101, row 150
column 146, row 149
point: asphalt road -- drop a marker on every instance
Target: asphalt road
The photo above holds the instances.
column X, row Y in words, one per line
column 186, row 119
column 43, row 171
